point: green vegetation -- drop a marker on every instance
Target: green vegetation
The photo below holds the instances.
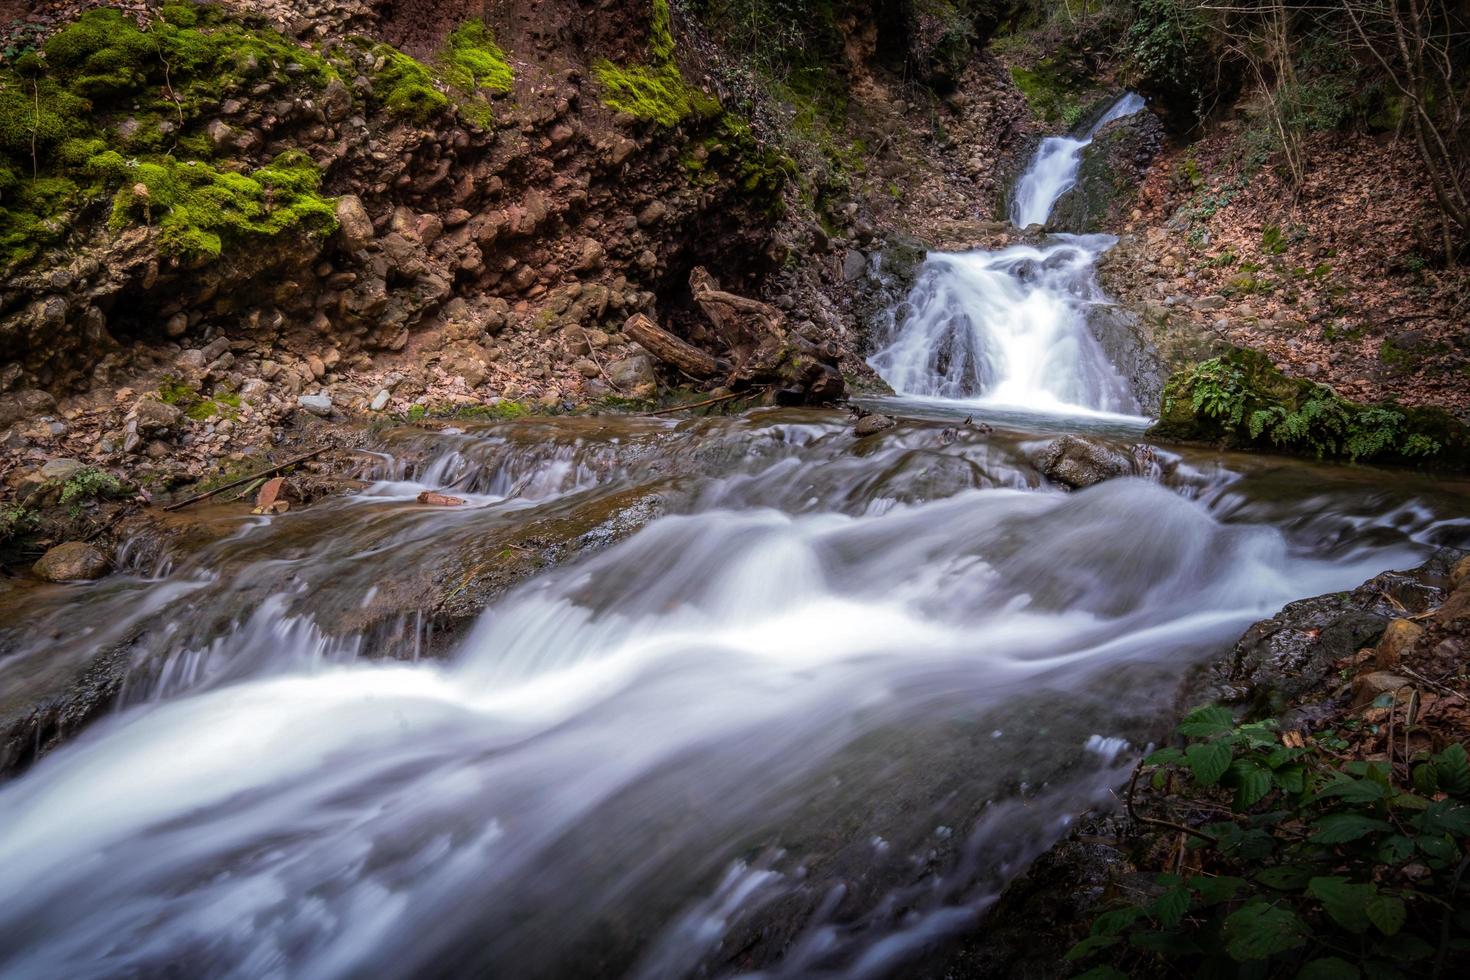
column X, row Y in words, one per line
column 199, row 210
column 1239, row 399
column 89, row 484
column 656, row 92
column 16, row 521
column 1314, row 868
column 474, row 61
column 499, row 411
column 1052, row 92
column 105, row 104
column 196, row 406
column 405, row 87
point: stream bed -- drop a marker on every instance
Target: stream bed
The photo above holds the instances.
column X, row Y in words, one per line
column 806, row 719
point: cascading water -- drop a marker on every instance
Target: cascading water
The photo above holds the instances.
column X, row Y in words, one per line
column 1009, row 327
column 1053, row 170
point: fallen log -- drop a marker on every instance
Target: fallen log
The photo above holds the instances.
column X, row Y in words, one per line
column 672, row 350
column 268, row 471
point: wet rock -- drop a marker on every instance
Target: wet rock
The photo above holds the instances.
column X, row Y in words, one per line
column 71, row 562
column 1111, row 169
column 1077, row 462
column 1281, row 657
column 869, row 424
column 1129, row 346
column 316, row 404
column 854, row 265
column 439, row 499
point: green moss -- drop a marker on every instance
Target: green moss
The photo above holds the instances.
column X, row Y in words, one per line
column 172, row 391
column 656, row 92
column 653, row 94
column 1051, row 92
column 406, row 87
column 199, row 210
column 1240, row 399
column 661, row 33
column 474, row 61
column 502, row 410
column 33, row 216
column 103, row 82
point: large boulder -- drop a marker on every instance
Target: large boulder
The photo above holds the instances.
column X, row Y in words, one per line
column 1290, row 653
column 1126, row 342
column 71, row 562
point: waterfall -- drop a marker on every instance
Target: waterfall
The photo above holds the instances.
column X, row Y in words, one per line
column 1009, row 327
column 1053, row 170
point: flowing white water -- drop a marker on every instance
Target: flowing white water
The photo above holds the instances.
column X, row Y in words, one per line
column 1009, row 327
column 611, row 741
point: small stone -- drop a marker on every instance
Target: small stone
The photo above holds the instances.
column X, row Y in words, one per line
column 60, row 469
column 316, row 404
column 354, row 225
column 1460, row 574
column 854, row 265
column 1398, row 638
column 1366, row 687
column 74, row 561
column 585, row 367
column 380, row 400
column 439, row 499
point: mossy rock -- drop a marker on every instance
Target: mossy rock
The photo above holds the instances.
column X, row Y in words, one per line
column 1108, row 174
column 1240, row 400
column 106, row 104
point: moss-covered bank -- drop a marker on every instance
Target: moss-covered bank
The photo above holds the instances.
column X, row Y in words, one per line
column 1240, row 400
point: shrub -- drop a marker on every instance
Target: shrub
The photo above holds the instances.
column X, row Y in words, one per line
column 1318, row 869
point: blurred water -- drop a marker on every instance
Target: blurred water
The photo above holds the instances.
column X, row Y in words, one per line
column 806, row 723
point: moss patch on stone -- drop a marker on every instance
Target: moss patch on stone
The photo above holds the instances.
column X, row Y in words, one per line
column 1241, row 400
column 474, row 61
column 103, row 92
column 1052, row 94
column 654, row 94
column 200, row 210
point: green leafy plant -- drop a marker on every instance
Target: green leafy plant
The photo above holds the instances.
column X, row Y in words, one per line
column 15, row 521
column 1241, row 399
column 89, row 484
column 1313, row 868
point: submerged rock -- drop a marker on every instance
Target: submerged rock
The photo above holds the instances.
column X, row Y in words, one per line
column 869, row 424
column 1077, row 462
column 74, row 561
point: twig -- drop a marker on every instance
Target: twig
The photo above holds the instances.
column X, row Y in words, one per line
column 269, row 471
column 1434, row 684
column 708, row 401
column 1133, row 814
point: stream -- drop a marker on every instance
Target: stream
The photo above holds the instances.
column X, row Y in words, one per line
column 786, row 703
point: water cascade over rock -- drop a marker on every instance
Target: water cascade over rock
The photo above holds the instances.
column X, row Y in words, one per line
column 1009, row 327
